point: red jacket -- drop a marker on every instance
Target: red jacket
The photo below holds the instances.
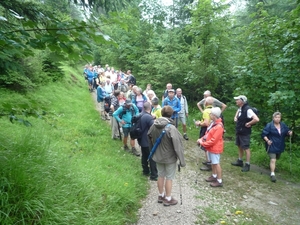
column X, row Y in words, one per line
column 213, row 138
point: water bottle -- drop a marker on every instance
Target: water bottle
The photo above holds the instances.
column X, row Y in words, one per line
column 195, row 123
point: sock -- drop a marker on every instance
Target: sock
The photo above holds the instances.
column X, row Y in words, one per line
column 248, row 163
column 168, row 198
column 219, row 180
column 162, row 195
column 184, row 133
column 240, row 159
column 214, row 175
column 272, row 174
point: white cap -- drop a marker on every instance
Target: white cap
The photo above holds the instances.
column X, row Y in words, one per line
column 241, row 97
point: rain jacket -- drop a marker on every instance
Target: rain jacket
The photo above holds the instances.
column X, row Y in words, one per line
column 171, row 147
column 278, row 142
column 213, row 138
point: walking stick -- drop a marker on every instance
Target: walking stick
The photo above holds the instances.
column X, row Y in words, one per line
column 120, row 136
column 180, row 184
column 290, row 154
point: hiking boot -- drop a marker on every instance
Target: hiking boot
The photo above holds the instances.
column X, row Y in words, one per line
column 126, row 148
column 205, row 168
column 216, row 184
column 185, row 137
column 211, row 179
column 135, row 152
column 171, row 202
column 273, row 178
column 160, row 199
column 153, row 178
column 246, row 167
column 206, row 163
column 238, row 163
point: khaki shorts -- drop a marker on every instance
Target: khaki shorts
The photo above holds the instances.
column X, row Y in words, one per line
column 274, row 155
column 166, row 170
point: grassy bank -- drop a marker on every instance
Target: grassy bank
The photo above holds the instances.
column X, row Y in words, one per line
column 65, row 169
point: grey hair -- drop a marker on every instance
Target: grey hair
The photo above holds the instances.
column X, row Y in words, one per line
column 276, row 114
column 147, row 106
column 209, row 100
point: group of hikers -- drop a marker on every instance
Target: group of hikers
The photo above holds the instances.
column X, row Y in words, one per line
column 120, row 101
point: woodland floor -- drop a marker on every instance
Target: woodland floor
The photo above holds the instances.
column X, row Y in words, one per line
column 245, row 198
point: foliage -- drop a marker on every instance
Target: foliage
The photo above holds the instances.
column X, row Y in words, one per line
column 70, row 151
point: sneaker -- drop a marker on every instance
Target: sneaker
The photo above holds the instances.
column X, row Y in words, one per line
column 185, row 137
column 211, row 179
column 160, row 199
column 216, row 184
column 115, row 137
column 206, row 168
column 273, row 178
column 246, row 167
column 206, row 163
column 126, row 148
column 135, row 152
column 153, row 178
column 171, row 202
column 238, row 163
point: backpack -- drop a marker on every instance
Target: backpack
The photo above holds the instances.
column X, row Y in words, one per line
column 136, row 128
column 132, row 80
column 107, row 103
column 125, row 110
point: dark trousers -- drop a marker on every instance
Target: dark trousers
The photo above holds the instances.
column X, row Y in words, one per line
column 145, row 164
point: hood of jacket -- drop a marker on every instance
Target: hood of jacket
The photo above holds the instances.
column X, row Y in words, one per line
column 162, row 122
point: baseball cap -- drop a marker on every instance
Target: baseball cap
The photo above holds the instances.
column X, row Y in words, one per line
column 128, row 102
column 241, row 97
column 171, row 90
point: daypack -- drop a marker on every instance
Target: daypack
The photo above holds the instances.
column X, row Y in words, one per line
column 136, row 129
column 132, row 80
column 107, row 102
column 125, row 110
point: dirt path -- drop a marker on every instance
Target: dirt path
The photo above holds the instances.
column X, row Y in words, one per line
column 246, row 198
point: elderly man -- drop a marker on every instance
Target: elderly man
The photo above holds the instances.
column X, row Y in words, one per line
column 174, row 102
column 244, row 118
column 168, row 152
column 216, row 102
column 165, row 94
column 124, row 116
column 184, row 112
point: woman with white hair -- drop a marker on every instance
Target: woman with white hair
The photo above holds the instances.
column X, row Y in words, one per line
column 274, row 135
column 150, row 95
column 139, row 99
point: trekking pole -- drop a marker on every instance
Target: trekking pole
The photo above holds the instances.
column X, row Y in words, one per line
column 180, row 184
column 266, row 158
column 290, row 154
column 188, row 122
column 120, row 136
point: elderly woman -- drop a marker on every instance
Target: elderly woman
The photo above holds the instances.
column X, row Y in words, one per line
column 139, row 99
column 274, row 135
column 150, row 95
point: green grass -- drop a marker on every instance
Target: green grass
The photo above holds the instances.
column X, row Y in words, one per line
column 65, row 169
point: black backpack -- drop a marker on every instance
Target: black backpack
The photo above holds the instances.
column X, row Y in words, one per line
column 136, row 128
column 132, row 80
column 107, row 103
column 125, row 110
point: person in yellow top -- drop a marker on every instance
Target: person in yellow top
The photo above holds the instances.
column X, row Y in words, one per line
column 156, row 110
column 204, row 123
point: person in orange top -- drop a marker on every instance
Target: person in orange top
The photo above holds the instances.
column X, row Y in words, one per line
column 212, row 141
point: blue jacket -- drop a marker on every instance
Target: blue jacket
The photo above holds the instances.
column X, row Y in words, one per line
column 127, row 114
column 174, row 103
column 146, row 122
column 101, row 94
column 90, row 74
column 278, row 140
